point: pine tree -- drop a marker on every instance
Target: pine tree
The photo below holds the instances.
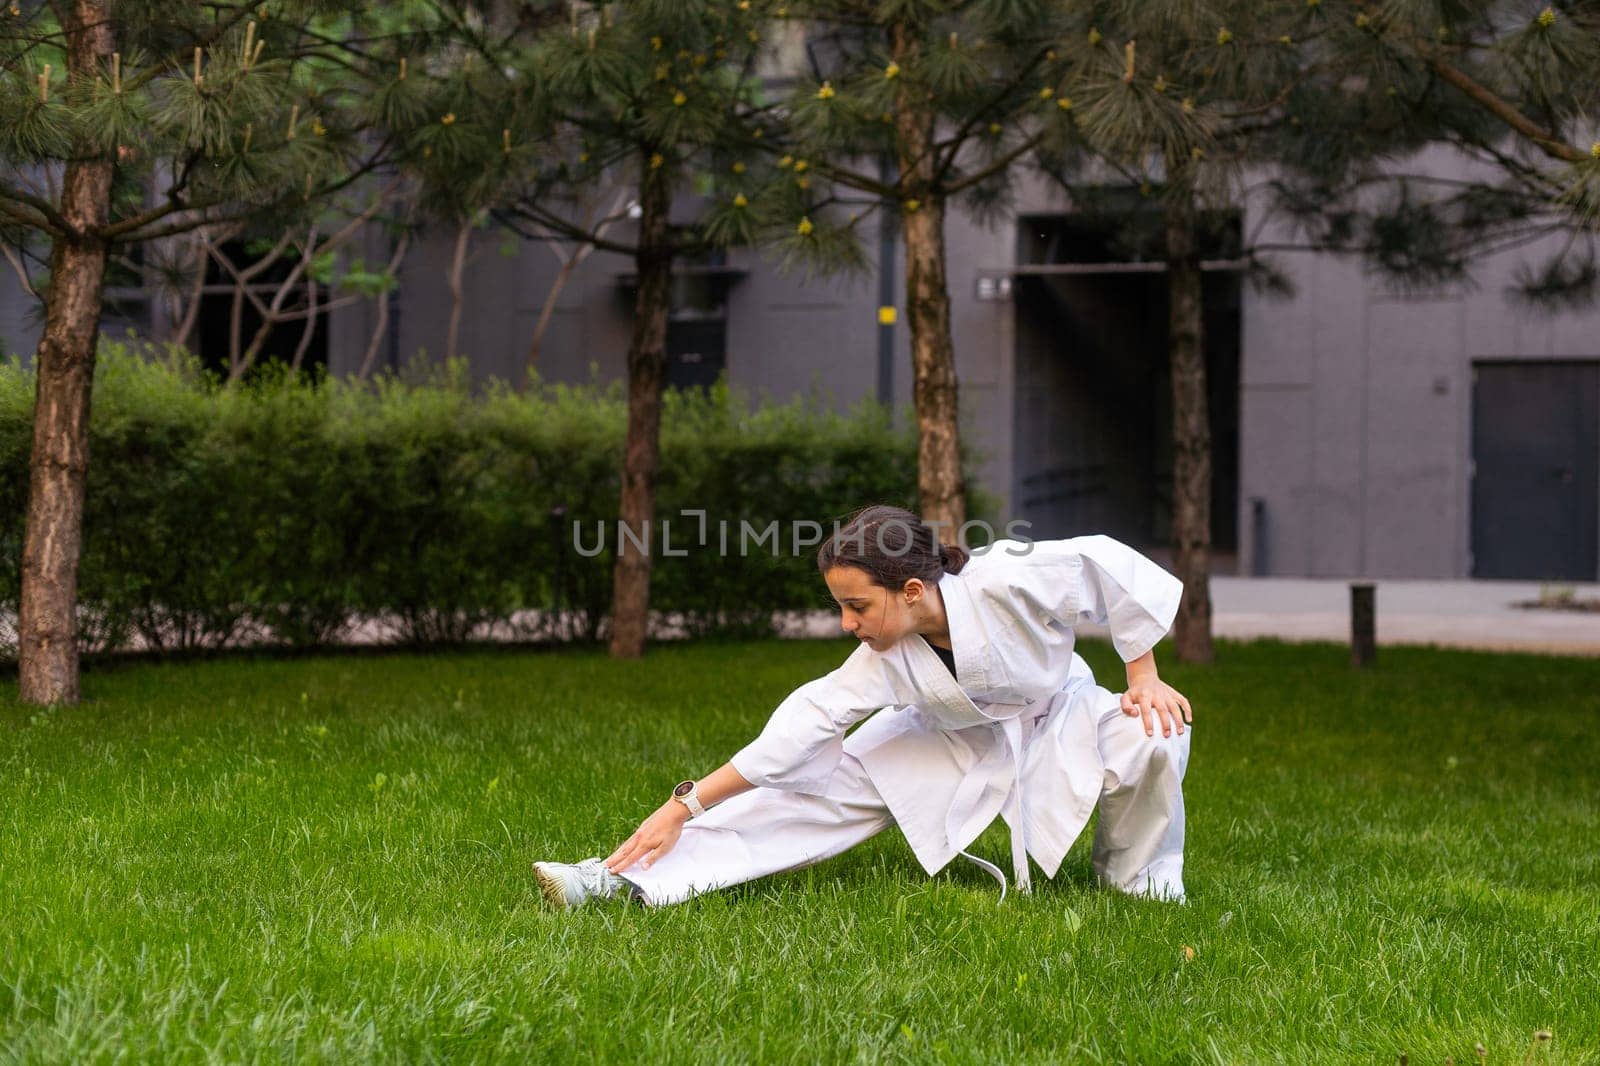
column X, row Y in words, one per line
column 1336, row 97
column 1510, row 87
column 226, row 111
column 653, row 94
column 1180, row 97
column 958, row 96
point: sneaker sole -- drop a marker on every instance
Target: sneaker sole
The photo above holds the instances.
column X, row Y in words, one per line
column 551, row 889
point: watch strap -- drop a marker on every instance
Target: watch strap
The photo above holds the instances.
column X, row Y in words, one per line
column 690, row 798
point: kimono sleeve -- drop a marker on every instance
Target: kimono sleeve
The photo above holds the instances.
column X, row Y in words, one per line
column 1102, row 581
column 803, row 741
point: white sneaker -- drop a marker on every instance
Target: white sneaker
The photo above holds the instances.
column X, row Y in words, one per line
column 1166, row 889
column 568, row 885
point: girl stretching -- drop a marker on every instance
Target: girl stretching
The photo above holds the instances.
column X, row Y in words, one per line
column 976, row 706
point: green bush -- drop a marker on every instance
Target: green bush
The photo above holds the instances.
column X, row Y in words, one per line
column 287, row 510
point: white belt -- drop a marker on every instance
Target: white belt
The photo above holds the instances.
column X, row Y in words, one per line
column 1011, row 735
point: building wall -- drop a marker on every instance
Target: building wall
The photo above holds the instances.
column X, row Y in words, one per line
column 789, row 336
column 21, row 318
column 504, row 294
column 985, row 336
column 1356, row 407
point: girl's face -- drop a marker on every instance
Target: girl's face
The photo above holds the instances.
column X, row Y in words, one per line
column 871, row 613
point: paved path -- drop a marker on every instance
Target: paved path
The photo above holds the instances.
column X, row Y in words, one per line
column 1455, row 614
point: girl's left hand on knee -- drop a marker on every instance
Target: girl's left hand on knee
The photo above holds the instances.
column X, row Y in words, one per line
column 1155, row 699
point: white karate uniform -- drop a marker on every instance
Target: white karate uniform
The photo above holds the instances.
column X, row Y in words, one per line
column 1022, row 731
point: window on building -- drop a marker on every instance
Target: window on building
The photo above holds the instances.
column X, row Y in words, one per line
column 213, row 336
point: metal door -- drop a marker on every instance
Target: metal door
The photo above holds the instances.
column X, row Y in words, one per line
column 1536, row 470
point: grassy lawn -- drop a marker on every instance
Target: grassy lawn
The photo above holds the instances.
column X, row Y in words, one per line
column 327, row 859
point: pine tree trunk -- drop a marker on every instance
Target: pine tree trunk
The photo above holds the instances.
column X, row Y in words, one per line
column 942, row 496
column 64, row 368
column 1191, row 439
column 933, row 366
column 630, row 600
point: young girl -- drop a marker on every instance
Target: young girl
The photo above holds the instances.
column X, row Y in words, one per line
column 978, row 707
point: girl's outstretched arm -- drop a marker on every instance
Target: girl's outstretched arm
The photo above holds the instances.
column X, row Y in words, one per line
column 658, row 833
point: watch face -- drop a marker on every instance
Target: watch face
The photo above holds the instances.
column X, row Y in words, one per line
column 683, row 789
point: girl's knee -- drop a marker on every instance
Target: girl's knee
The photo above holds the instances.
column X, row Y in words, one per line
column 1133, row 755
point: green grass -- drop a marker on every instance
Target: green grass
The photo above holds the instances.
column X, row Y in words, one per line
column 327, row 859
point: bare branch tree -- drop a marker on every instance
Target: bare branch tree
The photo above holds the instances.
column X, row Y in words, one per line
column 570, row 261
column 375, row 342
column 459, row 260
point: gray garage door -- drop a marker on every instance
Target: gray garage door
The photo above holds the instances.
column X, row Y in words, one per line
column 1536, row 484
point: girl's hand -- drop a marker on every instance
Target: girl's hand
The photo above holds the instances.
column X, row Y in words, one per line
column 654, row 838
column 1152, row 698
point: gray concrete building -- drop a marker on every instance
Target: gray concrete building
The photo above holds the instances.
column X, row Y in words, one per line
column 1359, row 429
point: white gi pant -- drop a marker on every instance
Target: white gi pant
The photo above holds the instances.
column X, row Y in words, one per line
column 1138, row 840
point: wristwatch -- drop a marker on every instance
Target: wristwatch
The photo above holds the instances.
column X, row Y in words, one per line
column 686, row 794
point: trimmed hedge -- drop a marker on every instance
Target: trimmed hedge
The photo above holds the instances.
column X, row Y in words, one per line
column 287, row 511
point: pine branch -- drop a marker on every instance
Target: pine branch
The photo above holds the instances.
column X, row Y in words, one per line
column 196, row 218
column 336, row 56
column 344, row 44
column 1548, row 142
column 1529, row 175
column 955, row 142
column 478, row 41
column 852, row 180
column 524, row 211
column 510, row 216
column 174, row 204
column 1517, row 239
column 677, row 247
column 616, row 213
column 995, row 166
column 177, row 59
column 50, row 219
column 198, row 214
column 1281, row 97
column 1129, row 177
column 849, row 178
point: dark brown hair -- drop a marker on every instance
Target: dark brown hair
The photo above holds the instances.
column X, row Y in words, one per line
column 892, row 546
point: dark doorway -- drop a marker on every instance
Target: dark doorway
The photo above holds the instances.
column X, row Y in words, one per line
column 1094, row 394
column 1536, row 470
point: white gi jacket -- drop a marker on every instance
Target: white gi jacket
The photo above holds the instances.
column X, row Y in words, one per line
column 1013, row 733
